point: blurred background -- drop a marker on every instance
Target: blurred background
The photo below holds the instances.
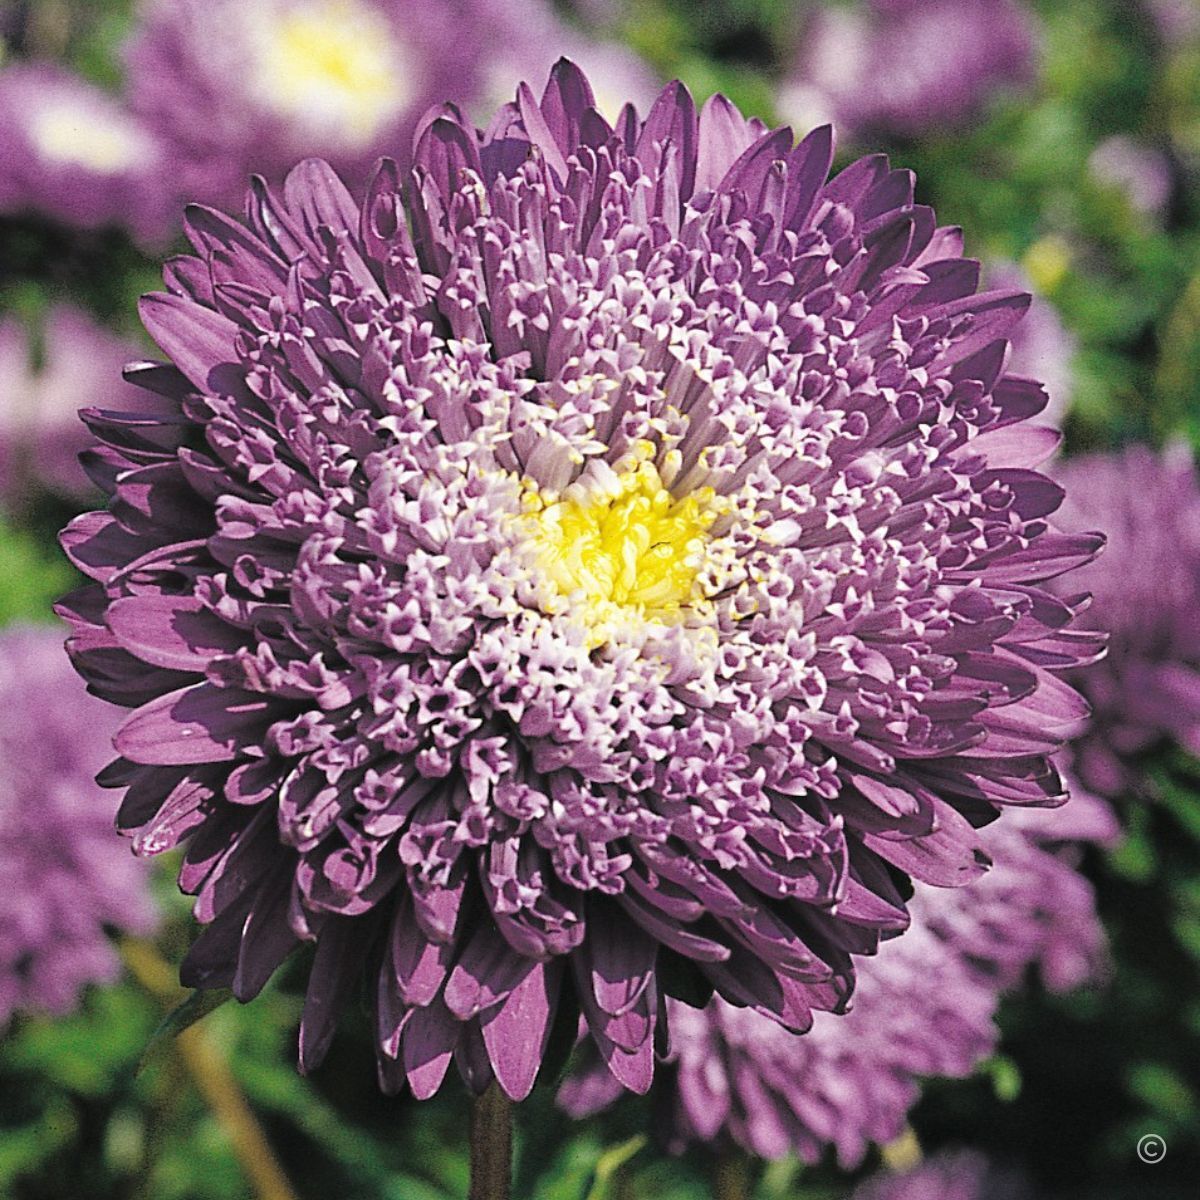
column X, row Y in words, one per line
column 1062, row 135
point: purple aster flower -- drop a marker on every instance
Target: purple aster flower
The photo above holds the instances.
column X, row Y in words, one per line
column 63, row 877
column 1141, row 172
column 41, row 435
column 235, row 88
column 852, row 1079
column 1042, row 346
column 74, row 154
column 1146, row 591
column 959, row 1175
column 909, row 66
column 591, row 570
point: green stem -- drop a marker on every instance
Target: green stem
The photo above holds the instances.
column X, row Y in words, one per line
column 1175, row 376
column 210, row 1072
column 491, row 1146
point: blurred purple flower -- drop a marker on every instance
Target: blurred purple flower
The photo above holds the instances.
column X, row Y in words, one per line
column 1140, row 171
column 960, row 1175
column 345, row 80
column 1146, row 591
column 63, row 876
column 586, row 572
column 908, row 67
column 1042, row 346
column 236, row 88
column 72, row 153
column 851, row 1079
column 41, row 435
column 1176, row 20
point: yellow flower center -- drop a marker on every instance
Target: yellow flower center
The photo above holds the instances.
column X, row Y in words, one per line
column 334, row 64
column 622, row 546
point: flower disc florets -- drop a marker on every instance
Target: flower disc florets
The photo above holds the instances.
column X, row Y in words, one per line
column 601, row 565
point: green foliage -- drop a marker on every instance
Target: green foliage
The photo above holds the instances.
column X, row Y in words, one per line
column 32, row 575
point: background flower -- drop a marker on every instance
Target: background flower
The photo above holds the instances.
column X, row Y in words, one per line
column 908, row 66
column 63, row 876
column 1147, row 595
column 235, row 88
column 72, row 153
column 346, row 80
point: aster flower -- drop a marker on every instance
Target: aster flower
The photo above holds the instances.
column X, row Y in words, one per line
column 594, row 569
column 1147, row 593
column 235, row 88
column 908, row 66
column 960, row 1175
column 63, row 876
column 852, row 1079
column 71, row 152
column 1041, row 346
column 41, row 435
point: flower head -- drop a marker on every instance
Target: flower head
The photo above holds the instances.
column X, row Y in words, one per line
column 63, row 876
column 908, row 66
column 1146, row 592
column 592, row 593
column 72, row 153
column 852, row 1079
column 235, row 88
column 41, row 435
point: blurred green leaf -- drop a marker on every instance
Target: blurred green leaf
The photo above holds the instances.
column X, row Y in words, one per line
column 25, row 1148
column 33, row 575
column 1162, row 1089
column 1005, row 1076
column 1134, row 856
column 195, row 1008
